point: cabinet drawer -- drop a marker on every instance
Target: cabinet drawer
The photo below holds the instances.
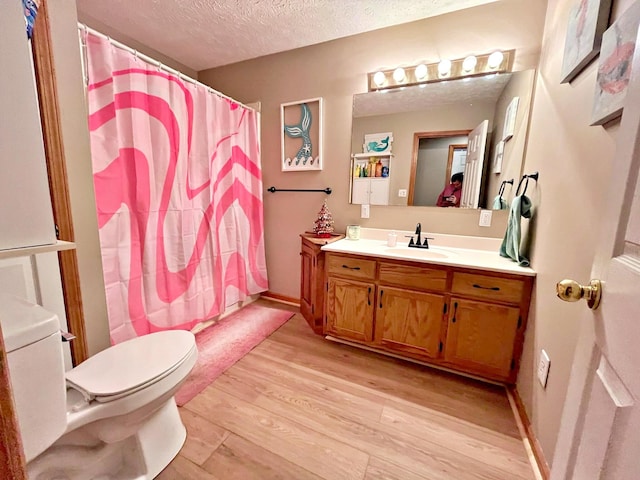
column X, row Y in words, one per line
column 422, row 278
column 350, row 267
column 487, row 287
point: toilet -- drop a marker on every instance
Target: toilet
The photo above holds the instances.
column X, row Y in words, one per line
column 112, row 417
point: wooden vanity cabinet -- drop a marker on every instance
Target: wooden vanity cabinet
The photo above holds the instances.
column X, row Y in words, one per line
column 451, row 317
column 350, row 309
column 410, row 308
column 481, row 337
column 350, row 297
column 409, row 321
column 312, row 286
column 485, row 331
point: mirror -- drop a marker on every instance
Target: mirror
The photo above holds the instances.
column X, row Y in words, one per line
column 430, row 124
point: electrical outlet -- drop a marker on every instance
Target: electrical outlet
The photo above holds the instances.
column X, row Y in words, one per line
column 402, row 192
column 364, row 211
column 485, row 218
column 543, row 368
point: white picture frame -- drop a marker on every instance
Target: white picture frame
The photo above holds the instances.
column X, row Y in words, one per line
column 378, row 142
column 497, row 158
column 300, row 132
column 510, row 119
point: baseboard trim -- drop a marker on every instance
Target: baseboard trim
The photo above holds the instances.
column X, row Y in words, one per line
column 531, row 444
column 276, row 297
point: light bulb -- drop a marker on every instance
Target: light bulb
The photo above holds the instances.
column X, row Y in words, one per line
column 398, row 75
column 469, row 63
column 379, row 78
column 421, row 72
column 444, row 67
column 495, row 59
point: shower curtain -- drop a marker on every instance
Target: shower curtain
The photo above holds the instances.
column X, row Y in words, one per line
column 178, row 189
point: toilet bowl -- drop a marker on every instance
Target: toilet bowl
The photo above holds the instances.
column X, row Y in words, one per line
column 112, row 417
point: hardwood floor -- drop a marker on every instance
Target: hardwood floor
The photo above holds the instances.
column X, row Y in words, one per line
column 301, row 407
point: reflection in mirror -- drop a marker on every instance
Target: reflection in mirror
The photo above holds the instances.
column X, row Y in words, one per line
column 440, row 116
column 439, row 156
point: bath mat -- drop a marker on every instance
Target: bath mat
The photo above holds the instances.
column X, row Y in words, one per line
column 227, row 341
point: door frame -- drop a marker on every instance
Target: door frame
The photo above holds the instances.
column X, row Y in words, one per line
column 58, row 185
column 417, row 136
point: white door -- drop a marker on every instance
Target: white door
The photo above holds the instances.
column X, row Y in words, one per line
column 600, row 429
column 474, row 166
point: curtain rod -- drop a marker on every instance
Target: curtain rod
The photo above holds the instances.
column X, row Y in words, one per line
column 86, row 29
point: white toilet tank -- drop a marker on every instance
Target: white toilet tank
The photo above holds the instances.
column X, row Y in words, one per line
column 32, row 340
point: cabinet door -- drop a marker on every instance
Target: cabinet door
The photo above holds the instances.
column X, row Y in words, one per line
column 360, row 191
column 350, row 309
column 379, row 191
column 307, row 282
column 481, row 337
column 26, row 217
column 409, row 321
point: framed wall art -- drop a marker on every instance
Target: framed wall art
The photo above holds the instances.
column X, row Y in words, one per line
column 301, row 135
column 614, row 66
column 510, row 119
column 497, row 159
column 588, row 20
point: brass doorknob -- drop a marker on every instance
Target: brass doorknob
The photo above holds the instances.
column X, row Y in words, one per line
column 572, row 291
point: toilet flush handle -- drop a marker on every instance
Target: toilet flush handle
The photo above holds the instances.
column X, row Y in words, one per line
column 66, row 336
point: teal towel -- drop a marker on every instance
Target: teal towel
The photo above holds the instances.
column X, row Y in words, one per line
column 499, row 203
column 510, row 248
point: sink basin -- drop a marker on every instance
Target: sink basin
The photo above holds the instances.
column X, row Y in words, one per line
column 419, row 252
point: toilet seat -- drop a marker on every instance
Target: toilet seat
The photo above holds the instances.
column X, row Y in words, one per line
column 131, row 366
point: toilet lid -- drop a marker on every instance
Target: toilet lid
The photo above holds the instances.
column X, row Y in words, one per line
column 132, row 364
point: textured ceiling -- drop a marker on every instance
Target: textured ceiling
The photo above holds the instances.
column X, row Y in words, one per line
column 203, row 34
column 431, row 96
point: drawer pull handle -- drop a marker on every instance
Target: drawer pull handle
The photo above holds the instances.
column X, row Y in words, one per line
column 350, row 268
column 495, row 289
column 368, row 296
column 381, row 292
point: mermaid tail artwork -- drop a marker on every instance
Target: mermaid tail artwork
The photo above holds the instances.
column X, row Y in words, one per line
column 301, row 130
column 378, row 146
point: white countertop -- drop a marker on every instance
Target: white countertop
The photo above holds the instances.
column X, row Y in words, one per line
column 444, row 250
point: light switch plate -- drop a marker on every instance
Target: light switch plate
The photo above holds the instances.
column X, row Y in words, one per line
column 364, row 211
column 543, row 368
column 485, row 218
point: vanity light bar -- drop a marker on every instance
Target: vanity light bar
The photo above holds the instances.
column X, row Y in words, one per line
column 436, row 72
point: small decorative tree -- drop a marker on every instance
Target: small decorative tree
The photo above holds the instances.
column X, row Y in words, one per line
column 323, row 226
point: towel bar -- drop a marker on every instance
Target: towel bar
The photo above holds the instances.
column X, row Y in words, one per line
column 325, row 190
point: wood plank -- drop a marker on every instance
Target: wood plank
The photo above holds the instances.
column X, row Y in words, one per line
column 296, row 443
column 203, row 437
column 454, row 395
column 419, row 454
column 239, row 458
column 260, row 374
column 379, row 469
column 180, row 467
column 298, row 406
column 499, row 451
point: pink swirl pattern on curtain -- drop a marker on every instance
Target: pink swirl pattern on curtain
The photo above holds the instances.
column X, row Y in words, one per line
column 178, row 189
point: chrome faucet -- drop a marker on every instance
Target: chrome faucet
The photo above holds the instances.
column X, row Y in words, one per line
column 418, row 243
